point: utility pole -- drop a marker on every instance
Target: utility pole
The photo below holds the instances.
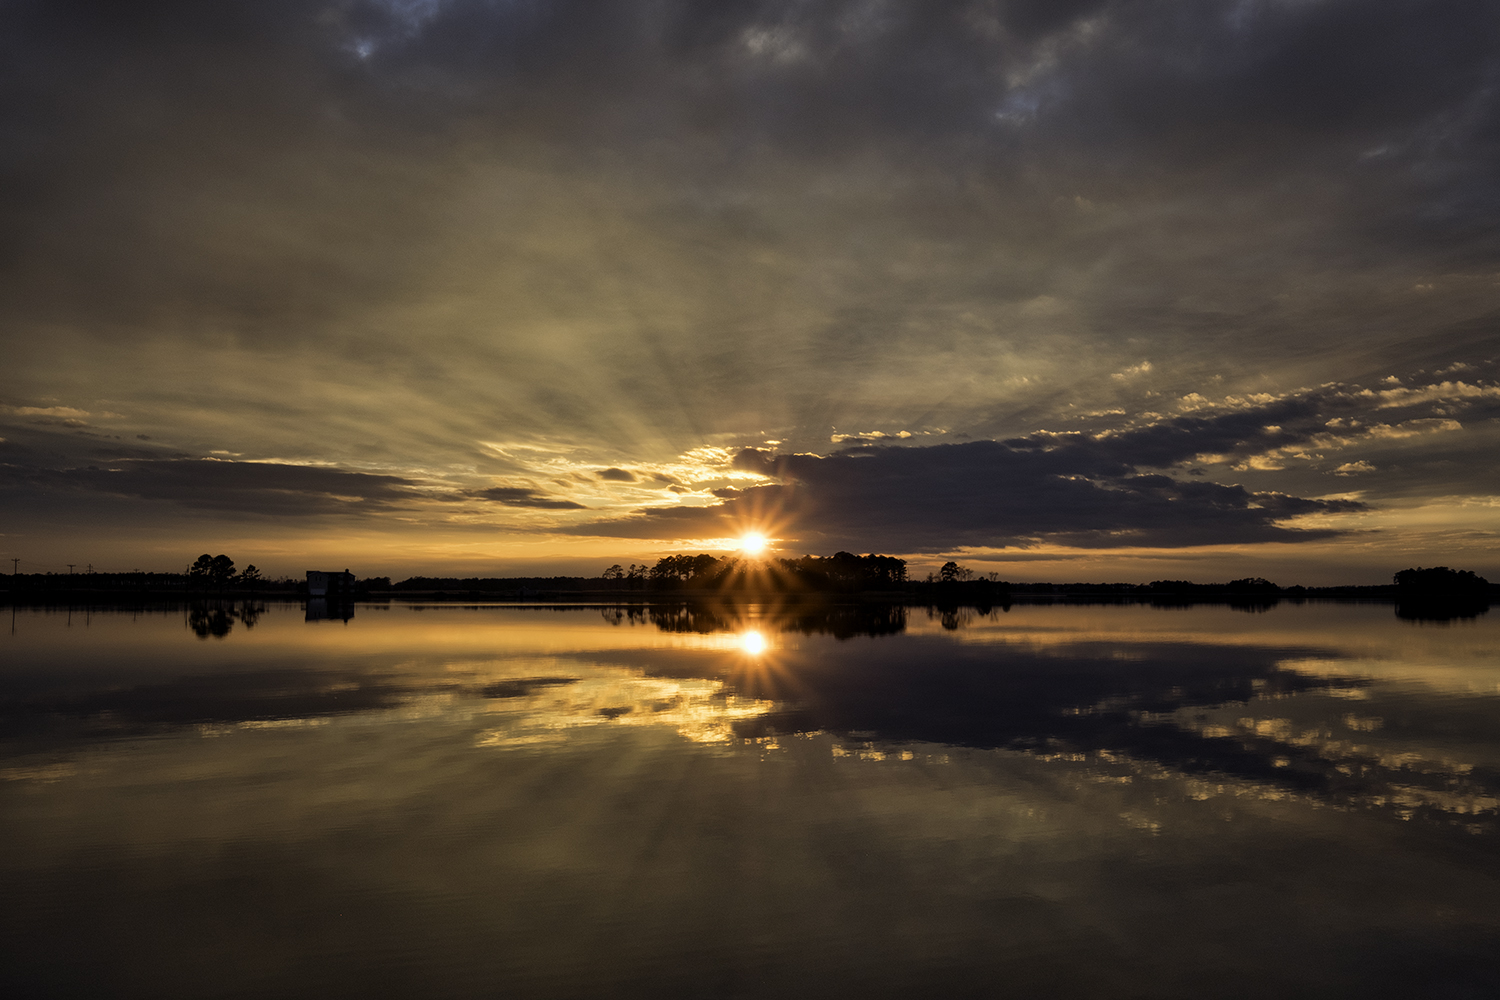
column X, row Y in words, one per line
column 70, row 568
column 15, row 561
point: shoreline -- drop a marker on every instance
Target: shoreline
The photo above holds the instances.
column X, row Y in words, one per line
column 603, row 598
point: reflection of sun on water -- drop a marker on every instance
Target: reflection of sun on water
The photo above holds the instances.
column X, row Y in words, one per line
column 753, row 643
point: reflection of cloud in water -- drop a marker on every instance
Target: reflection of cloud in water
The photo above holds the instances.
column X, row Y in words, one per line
column 1420, row 755
column 1297, row 703
column 1261, row 714
column 260, row 697
column 1232, row 713
column 700, row 710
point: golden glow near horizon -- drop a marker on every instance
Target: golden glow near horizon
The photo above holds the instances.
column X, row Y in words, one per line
column 753, row 643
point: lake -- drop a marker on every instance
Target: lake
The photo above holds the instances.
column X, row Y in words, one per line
column 263, row 800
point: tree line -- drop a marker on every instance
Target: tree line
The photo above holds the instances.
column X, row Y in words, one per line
column 218, row 571
column 842, row 571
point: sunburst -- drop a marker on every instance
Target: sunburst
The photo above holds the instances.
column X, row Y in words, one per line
column 753, row 543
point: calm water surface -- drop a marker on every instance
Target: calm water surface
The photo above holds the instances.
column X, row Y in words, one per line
column 1109, row 801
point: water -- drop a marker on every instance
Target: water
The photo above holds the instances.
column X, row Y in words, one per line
column 1085, row 801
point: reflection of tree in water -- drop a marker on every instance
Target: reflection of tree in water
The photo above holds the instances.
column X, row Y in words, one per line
column 846, row 622
column 953, row 619
column 210, row 621
column 839, row 621
column 691, row 618
column 630, row 614
column 217, row 618
column 1441, row 610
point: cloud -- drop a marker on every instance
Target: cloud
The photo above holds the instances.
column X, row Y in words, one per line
column 980, row 494
column 1091, row 490
column 45, row 411
column 517, row 496
column 869, row 437
column 1442, row 392
column 240, row 487
column 1144, row 368
column 265, row 488
column 617, row 476
column 1073, row 489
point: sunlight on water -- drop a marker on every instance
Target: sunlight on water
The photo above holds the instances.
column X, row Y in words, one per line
column 756, row 801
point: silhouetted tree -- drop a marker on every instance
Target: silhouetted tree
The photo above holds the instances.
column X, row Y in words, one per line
column 1440, row 581
column 846, row 571
column 217, row 570
column 952, row 572
column 250, row 577
column 614, row 576
column 221, row 570
column 202, row 569
column 1440, row 594
column 674, row 571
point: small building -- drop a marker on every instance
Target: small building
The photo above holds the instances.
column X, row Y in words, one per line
column 330, row 584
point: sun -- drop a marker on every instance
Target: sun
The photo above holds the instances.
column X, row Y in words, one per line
column 753, row 543
column 753, row 643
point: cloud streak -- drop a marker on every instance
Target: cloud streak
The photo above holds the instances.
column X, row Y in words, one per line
column 233, row 487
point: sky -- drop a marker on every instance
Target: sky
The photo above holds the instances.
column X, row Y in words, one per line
column 1063, row 290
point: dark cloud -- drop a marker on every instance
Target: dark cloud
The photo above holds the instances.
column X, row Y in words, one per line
column 239, row 487
column 617, row 476
column 519, row 496
column 984, row 493
column 1136, row 486
column 1389, row 100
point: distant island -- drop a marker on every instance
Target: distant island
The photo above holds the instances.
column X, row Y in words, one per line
column 1434, row 592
